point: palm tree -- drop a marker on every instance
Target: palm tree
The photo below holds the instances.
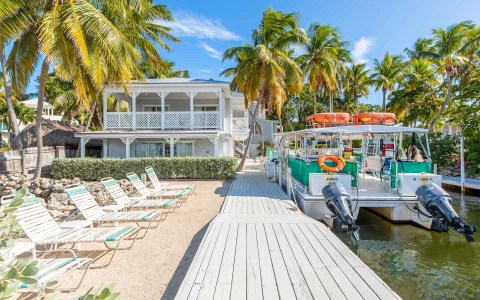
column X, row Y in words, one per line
column 356, row 82
column 264, row 71
column 58, row 32
column 388, row 73
column 416, row 98
column 82, row 44
column 448, row 56
column 324, row 60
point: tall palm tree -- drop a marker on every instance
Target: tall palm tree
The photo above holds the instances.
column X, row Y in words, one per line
column 324, row 60
column 82, row 44
column 388, row 73
column 448, row 56
column 7, row 8
column 265, row 72
column 57, row 32
column 416, row 99
column 356, row 82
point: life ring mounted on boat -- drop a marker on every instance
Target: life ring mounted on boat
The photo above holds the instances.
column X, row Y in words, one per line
column 338, row 160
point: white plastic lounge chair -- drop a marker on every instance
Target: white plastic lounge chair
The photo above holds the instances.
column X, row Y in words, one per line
column 159, row 186
column 42, row 230
column 122, row 199
column 50, row 269
column 90, row 209
column 148, row 193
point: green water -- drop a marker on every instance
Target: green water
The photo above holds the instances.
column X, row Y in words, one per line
column 420, row 264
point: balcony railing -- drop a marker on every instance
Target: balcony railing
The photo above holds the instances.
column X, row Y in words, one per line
column 165, row 121
column 239, row 125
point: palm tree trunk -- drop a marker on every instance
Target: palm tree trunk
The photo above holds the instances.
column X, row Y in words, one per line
column 90, row 115
column 330, row 98
column 355, row 100
column 247, row 147
column 38, row 121
column 315, row 102
column 16, row 141
column 445, row 103
column 384, row 105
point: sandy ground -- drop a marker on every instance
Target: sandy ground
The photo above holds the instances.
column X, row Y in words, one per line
column 156, row 265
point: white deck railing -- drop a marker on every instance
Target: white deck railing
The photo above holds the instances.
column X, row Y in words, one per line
column 239, row 125
column 166, row 121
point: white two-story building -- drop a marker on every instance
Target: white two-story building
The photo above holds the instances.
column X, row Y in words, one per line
column 170, row 117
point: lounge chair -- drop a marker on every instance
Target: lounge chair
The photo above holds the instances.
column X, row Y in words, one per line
column 121, row 198
column 50, row 269
column 42, row 230
column 155, row 194
column 159, row 186
column 90, row 210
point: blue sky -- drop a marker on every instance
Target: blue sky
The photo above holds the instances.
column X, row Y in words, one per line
column 373, row 27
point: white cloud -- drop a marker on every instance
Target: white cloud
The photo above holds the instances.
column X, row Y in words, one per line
column 212, row 52
column 206, row 71
column 188, row 24
column 362, row 47
column 298, row 50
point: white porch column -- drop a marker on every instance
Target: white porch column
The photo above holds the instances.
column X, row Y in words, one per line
column 192, row 94
column 162, row 105
column 105, row 96
column 221, row 104
column 105, row 148
column 83, row 141
column 172, row 146
column 215, row 146
column 134, row 110
column 127, row 142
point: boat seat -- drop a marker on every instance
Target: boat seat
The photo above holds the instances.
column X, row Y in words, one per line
column 373, row 164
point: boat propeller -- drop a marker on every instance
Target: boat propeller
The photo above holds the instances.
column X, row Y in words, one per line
column 338, row 202
column 438, row 203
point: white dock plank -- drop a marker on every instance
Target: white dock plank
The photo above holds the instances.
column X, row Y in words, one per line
column 269, row 284
column 260, row 247
column 224, row 284
column 239, row 279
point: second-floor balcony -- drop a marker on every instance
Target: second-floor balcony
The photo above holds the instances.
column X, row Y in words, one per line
column 165, row 121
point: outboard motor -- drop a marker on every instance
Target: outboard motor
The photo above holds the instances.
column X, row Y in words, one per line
column 338, row 202
column 438, row 203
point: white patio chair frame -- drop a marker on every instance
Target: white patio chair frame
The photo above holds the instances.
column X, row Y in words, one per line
column 152, row 194
column 134, row 203
column 42, row 230
column 90, row 210
column 159, row 186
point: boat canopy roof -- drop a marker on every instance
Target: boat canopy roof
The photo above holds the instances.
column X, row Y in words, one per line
column 356, row 130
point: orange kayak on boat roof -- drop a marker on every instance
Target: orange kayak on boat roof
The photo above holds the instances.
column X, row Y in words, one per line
column 328, row 119
column 374, row 119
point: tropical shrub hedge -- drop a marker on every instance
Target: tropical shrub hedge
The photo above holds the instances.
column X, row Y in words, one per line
column 165, row 167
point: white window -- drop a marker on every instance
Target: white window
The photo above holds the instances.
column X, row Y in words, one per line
column 207, row 107
column 184, row 149
column 154, row 108
column 145, row 149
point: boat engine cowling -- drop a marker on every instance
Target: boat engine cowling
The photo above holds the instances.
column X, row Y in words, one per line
column 438, row 203
column 338, row 202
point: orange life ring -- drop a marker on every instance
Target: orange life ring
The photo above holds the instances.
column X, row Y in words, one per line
column 340, row 163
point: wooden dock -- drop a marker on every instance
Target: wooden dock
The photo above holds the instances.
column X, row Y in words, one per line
column 456, row 181
column 261, row 247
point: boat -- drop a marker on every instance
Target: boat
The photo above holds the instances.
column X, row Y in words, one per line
column 328, row 119
column 374, row 118
column 332, row 172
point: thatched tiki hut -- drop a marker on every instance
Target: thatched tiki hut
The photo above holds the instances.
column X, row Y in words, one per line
column 56, row 133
